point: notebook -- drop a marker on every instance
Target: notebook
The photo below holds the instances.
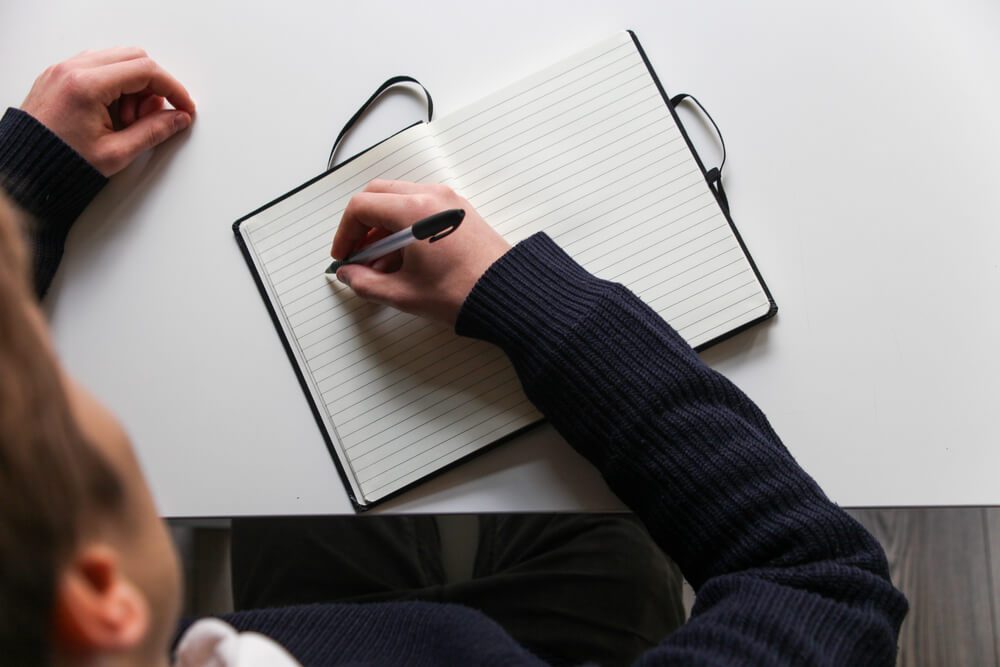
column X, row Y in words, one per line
column 588, row 150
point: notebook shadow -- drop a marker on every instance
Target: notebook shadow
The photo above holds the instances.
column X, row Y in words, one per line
column 746, row 345
column 547, row 474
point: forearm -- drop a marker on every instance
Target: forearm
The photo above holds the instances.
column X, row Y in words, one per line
column 683, row 448
column 50, row 182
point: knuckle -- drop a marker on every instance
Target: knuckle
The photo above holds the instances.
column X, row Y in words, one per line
column 442, row 190
column 348, row 210
column 425, row 203
column 110, row 157
column 116, row 154
column 59, row 70
column 148, row 66
column 356, row 203
column 75, row 83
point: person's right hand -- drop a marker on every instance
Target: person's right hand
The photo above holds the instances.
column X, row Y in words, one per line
column 74, row 100
column 428, row 279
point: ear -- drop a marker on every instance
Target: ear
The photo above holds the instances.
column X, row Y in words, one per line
column 98, row 610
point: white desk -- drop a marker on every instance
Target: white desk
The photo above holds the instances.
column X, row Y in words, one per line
column 863, row 165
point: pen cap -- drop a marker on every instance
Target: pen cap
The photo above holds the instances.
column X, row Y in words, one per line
column 437, row 226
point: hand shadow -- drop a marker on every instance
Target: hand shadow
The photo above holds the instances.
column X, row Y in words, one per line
column 112, row 211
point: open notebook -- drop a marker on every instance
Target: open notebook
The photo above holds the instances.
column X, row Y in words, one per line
column 588, row 150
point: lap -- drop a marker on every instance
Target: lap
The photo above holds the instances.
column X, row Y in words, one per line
column 570, row 587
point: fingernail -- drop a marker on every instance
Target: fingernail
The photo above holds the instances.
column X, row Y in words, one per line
column 342, row 277
column 181, row 120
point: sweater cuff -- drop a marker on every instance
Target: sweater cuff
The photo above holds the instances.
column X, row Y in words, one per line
column 529, row 300
column 50, row 180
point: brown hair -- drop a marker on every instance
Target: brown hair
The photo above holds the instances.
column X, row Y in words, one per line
column 51, row 479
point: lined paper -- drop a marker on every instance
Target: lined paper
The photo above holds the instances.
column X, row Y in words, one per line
column 585, row 150
column 399, row 395
column 588, row 152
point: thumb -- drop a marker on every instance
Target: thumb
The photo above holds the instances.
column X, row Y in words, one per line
column 372, row 285
column 147, row 132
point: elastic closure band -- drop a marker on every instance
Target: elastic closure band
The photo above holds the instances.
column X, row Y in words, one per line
column 713, row 175
column 389, row 83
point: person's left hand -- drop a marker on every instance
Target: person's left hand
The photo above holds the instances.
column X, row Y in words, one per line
column 74, row 99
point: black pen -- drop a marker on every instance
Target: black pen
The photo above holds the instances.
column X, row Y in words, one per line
column 434, row 227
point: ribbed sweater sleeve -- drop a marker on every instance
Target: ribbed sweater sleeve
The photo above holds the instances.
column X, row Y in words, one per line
column 783, row 576
column 50, row 181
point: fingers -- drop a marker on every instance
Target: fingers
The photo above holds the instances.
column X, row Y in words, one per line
column 133, row 107
column 120, row 148
column 390, row 263
column 397, row 187
column 128, row 109
column 431, row 281
column 148, row 105
column 388, row 205
column 374, row 210
column 108, row 105
column 372, row 285
column 107, row 56
column 137, row 76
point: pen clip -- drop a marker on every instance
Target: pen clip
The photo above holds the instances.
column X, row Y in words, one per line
column 442, row 234
column 436, row 227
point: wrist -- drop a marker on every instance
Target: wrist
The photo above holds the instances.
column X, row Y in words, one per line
column 530, row 299
column 42, row 173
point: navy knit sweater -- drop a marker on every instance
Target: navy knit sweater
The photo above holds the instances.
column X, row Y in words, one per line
column 782, row 575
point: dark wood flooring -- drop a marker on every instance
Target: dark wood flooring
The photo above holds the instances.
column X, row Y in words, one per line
column 945, row 561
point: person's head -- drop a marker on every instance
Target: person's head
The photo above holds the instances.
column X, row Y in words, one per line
column 87, row 570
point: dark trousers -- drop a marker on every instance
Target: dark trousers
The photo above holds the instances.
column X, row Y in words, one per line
column 570, row 588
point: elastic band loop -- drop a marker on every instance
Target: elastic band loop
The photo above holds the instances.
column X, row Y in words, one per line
column 677, row 99
column 389, row 83
column 713, row 175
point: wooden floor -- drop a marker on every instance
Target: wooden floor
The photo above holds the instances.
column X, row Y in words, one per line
column 946, row 561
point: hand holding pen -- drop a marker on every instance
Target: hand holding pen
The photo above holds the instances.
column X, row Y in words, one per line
column 434, row 228
column 427, row 279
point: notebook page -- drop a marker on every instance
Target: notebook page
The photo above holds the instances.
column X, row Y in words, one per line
column 588, row 152
column 399, row 395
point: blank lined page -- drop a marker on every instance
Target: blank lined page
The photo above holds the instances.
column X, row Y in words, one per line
column 400, row 396
column 588, row 152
